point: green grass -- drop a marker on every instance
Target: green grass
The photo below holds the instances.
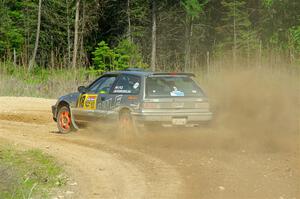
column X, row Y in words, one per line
column 52, row 83
column 40, row 82
column 28, row 174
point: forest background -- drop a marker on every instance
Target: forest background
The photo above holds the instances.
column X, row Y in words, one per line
column 49, row 46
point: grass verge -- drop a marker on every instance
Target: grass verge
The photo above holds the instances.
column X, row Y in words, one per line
column 47, row 83
column 28, row 174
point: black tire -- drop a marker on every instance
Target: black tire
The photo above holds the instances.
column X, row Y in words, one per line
column 64, row 120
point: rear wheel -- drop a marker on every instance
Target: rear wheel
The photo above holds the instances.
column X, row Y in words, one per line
column 64, row 121
column 126, row 124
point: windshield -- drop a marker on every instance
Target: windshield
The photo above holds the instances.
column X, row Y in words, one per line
column 172, row 86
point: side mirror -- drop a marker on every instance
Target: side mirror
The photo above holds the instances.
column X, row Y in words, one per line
column 82, row 89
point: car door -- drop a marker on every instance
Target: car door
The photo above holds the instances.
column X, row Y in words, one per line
column 88, row 103
column 125, row 92
column 104, row 102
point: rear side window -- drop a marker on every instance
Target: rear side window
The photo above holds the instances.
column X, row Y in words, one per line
column 127, row 84
column 172, row 86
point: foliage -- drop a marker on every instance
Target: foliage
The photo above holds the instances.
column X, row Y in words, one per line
column 294, row 42
column 138, row 13
column 267, row 3
column 193, row 7
column 236, row 32
column 125, row 55
column 128, row 55
column 104, row 57
column 267, row 26
column 10, row 31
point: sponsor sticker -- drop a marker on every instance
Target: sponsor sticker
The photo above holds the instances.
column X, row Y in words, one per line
column 87, row 101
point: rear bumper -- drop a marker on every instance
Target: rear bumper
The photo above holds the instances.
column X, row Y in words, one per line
column 194, row 118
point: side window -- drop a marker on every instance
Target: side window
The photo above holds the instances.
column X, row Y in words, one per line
column 127, row 84
column 106, row 85
column 94, row 86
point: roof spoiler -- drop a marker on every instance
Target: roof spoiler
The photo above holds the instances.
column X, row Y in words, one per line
column 174, row 74
column 134, row 69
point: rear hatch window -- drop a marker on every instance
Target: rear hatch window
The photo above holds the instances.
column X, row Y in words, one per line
column 172, row 86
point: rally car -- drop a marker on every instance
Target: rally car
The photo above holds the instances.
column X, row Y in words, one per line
column 135, row 97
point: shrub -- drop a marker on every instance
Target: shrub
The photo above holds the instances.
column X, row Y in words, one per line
column 125, row 54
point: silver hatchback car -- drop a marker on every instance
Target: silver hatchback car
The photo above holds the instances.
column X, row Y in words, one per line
column 135, row 97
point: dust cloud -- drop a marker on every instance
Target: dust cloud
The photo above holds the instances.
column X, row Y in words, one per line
column 257, row 107
column 255, row 110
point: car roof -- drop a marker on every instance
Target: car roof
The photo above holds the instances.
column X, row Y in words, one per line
column 149, row 73
column 139, row 73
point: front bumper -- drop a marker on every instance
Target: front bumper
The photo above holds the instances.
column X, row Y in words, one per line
column 54, row 112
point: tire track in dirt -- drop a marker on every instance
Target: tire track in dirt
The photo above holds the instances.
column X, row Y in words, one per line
column 99, row 174
column 163, row 181
column 37, row 118
column 102, row 169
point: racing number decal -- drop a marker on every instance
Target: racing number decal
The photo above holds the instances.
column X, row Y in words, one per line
column 87, row 101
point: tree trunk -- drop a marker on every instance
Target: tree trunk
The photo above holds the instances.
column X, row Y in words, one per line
column 69, row 42
column 15, row 57
column 208, row 63
column 52, row 58
column 26, row 47
column 234, row 37
column 260, row 54
column 248, row 51
column 76, row 35
column 32, row 60
column 188, row 34
column 129, row 21
column 153, row 53
column 81, row 51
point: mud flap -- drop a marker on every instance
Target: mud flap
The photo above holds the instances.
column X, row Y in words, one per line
column 73, row 121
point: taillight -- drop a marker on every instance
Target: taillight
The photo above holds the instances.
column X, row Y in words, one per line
column 130, row 97
column 150, row 105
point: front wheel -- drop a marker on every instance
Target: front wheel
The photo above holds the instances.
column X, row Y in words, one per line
column 64, row 121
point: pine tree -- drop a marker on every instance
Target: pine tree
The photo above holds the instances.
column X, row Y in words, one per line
column 236, row 30
column 153, row 51
column 32, row 60
column 192, row 8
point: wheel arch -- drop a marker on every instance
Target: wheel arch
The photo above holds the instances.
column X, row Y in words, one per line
column 61, row 104
column 124, row 109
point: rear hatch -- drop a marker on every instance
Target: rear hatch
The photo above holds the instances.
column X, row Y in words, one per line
column 173, row 93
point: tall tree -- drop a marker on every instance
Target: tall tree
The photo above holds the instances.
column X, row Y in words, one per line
column 75, row 49
column 129, row 21
column 192, row 8
column 32, row 61
column 153, row 51
column 68, row 32
column 237, row 27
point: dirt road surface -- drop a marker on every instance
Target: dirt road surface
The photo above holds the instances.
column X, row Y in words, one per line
column 209, row 163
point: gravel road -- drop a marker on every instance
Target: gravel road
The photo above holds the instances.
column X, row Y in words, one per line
column 216, row 162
